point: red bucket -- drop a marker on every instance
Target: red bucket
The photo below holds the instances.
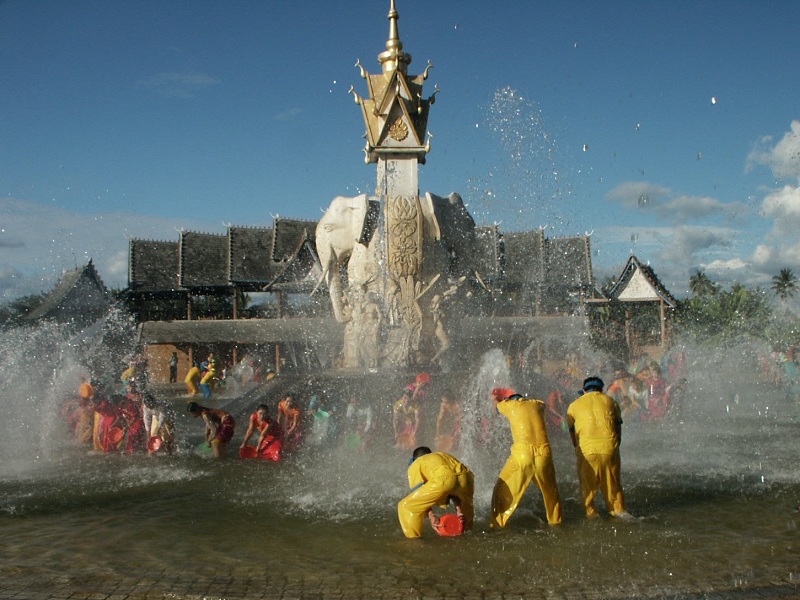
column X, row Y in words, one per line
column 115, row 435
column 248, row 452
column 450, row 525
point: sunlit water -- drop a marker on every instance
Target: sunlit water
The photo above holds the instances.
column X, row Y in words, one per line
column 714, row 488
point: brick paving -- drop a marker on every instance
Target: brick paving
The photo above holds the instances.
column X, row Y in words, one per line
column 152, row 586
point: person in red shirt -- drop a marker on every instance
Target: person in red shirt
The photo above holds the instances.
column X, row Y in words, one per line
column 269, row 444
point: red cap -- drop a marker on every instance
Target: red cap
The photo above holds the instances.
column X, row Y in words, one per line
column 502, row 393
column 423, row 378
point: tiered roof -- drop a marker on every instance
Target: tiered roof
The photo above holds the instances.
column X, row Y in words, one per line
column 251, row 258
column 80, row 297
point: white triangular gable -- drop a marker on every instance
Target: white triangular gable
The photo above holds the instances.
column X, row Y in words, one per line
column 638, row 289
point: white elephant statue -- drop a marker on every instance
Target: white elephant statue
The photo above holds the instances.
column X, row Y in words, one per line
column 346, row 227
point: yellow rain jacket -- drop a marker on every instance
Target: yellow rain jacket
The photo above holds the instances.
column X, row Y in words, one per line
column 594, row 420
column 434, row 478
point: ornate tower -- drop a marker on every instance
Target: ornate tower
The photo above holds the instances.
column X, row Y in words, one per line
column 396, row 118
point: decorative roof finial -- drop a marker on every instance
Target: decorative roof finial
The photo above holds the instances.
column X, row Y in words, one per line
column 394, row 58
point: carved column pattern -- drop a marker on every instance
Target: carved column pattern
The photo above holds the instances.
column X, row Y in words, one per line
column 404, row 237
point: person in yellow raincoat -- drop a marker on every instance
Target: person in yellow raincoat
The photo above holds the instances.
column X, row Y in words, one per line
column 530, row 459
column 210, row 377
column 435, row 478
column 595, row 426
column 192, row 380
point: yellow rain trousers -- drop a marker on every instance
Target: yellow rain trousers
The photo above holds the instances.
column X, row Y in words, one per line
column 438, row 477
column 600, row 471
column 595, row 419
column 526, row 463
column 530, row 460
column 192, row 377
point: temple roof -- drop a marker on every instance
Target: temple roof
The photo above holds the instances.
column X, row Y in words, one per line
column 250, row 251
column 79, row 297
column 248, row 257
column 525, row 257
column 153, row 266
column 289, row 234
column 203, row 260
column 488, row 254
column 639, row 283
column 569, row 261
column 300, row 273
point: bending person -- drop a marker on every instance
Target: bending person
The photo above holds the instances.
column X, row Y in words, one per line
column 435, row 478
column 530, row 459
column 219, row 426
column 269, row 444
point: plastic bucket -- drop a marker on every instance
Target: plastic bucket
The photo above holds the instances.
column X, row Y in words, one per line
column 248, row 452
column 450, row 525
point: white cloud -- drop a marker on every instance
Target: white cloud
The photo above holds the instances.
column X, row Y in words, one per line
column 662, row 203
column 57, row 240
column 178, row 85
column 783, row 206
column 783, row 159
column 638, row 194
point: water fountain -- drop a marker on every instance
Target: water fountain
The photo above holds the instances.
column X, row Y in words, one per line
column 714, row 485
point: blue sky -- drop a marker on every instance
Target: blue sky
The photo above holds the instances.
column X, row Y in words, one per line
column 670, row 129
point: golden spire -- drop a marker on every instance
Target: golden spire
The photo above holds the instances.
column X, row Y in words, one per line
column 394, row 58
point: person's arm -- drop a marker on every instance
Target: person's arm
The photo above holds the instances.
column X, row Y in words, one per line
column 294, row 422
column 264, row 432
column 248, row 434
column 395, row 418
column 211, row 429
column 368, row 420
column 571, row 428
column 440, row 420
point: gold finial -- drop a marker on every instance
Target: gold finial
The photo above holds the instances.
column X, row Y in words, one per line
column 394, row 58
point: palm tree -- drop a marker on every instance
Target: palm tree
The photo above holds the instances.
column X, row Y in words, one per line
column 701, row 285
column 784, row 284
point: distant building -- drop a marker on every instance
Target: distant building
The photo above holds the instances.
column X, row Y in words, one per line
column 79, row 298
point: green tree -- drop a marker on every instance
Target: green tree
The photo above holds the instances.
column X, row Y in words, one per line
column 714, row 318
column 784, row 284
column 701, row 285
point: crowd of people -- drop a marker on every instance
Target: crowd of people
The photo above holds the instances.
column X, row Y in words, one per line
column 132, row 419
column 594, row 421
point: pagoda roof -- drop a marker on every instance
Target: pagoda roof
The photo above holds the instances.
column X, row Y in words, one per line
column 639, row 283
column 300, row 273
column 153, row 266
column 80, row 297
column 525, row 257
column 203, row 260
column 289, row 234
column 488, row 255
column 250, row 255
column 568, row 261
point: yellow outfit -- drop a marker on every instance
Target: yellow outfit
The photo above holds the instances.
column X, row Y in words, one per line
column 192, row 377
column 434, row 478
column 595, row 419
column 530, row 460
column 126, row 374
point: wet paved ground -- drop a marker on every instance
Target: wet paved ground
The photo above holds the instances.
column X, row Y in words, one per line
column 24, row 586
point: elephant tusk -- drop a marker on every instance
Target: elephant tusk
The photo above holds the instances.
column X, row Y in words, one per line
column 428, row 287
column 480, row 280
column 319, row 282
